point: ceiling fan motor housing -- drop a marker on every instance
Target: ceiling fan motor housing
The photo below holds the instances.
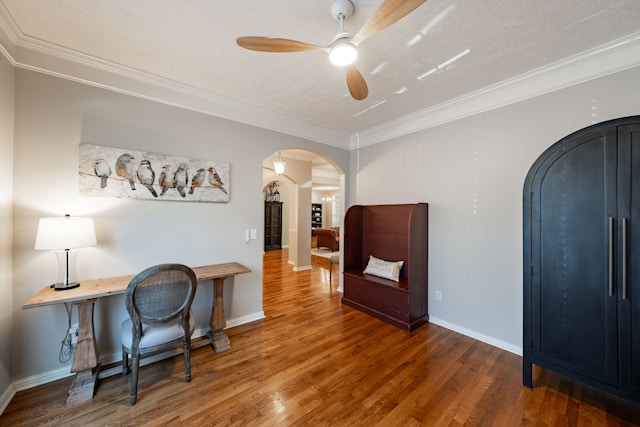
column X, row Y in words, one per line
column 341, row 8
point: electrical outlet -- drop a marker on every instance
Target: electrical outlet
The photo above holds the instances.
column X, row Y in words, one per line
column 73, row 334
column 438, row 296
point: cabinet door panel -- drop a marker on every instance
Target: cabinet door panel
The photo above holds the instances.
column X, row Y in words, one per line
column 629, row 300
column 576, row 328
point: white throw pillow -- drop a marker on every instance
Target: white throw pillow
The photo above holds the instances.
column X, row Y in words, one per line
column 385, row 269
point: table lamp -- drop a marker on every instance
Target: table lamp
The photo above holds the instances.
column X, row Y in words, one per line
column 61, row 234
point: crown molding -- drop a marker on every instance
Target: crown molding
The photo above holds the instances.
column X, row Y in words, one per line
column 610, row 58
column 8, row 31
column 94, row 72
column 36, row 55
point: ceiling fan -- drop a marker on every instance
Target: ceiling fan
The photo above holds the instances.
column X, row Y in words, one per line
column 342, row 50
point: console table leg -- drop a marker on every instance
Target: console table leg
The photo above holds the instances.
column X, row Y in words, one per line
column 85, row 359
column 219, row 338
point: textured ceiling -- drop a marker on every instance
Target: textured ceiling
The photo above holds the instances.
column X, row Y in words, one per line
column 193, row 43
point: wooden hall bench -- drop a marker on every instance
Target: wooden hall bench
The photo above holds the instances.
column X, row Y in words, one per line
column 391, row 233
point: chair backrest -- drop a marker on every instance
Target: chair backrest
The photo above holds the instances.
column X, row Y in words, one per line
column 160, row 293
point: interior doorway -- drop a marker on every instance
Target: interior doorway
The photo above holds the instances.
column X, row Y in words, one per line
column 309, row 182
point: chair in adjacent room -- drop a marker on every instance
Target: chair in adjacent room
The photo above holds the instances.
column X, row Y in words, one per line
column 333, row 259
column 158, row 300
column 328, row 238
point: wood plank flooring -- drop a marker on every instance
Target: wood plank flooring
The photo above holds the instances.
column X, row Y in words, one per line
column 314, row 362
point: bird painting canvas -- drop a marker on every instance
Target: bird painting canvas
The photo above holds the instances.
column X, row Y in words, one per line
column 116, row 172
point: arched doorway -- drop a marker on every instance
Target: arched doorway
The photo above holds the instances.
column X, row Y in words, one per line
column 309, row 178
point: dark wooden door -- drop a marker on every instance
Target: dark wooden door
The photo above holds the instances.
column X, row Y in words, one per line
column 272, row 225
column 629, row 259
column 575, row 324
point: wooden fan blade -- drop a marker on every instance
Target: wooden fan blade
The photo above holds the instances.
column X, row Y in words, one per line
column 268, row 44
column 388, row 13
column 356, row 83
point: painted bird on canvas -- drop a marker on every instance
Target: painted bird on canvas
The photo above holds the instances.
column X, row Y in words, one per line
column 215, row 181
column 102, row 170
column 180, row 179
column 126, row 169
column 166, row 179
column 198, row 179
column 147, row 176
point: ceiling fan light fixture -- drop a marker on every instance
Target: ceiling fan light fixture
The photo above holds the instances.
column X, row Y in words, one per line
column 343, row 54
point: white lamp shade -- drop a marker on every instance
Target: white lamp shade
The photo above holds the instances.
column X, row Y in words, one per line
column 65, row 233
column 278, row 166
column 343, row 54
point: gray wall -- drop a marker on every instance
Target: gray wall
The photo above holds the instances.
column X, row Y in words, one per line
column 471, row 173
column 52, row 117
column 6, row 224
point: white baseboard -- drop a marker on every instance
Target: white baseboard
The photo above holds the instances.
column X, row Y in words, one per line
column 302, row 268
column 105, row 359
column 44, row 378
column 6, row 397
column 245, row 319
column 477, row 336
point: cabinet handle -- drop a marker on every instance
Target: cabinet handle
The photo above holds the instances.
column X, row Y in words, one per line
column 625, row 256
column 611, row 231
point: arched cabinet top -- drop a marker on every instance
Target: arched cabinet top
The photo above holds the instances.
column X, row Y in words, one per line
column 569, row 142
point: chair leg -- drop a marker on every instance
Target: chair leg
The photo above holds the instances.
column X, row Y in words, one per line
column 135, row 365
column 330, row 271
column 333, row 260
column 125, row 362
column 187, row 359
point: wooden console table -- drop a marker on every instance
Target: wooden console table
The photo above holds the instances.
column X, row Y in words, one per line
column 85, row 361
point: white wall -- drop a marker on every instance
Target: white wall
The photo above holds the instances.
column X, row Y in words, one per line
column 471, row 173
column 6, row 225
column 284, row 198
column 52, row 117
column 298, row 172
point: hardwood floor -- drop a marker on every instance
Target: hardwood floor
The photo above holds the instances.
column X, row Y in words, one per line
column 313, row 361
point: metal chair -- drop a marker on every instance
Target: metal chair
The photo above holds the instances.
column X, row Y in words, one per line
column 158, row 300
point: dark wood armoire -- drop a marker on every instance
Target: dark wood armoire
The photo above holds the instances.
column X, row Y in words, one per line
column 272, row 225
column 582, row 258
